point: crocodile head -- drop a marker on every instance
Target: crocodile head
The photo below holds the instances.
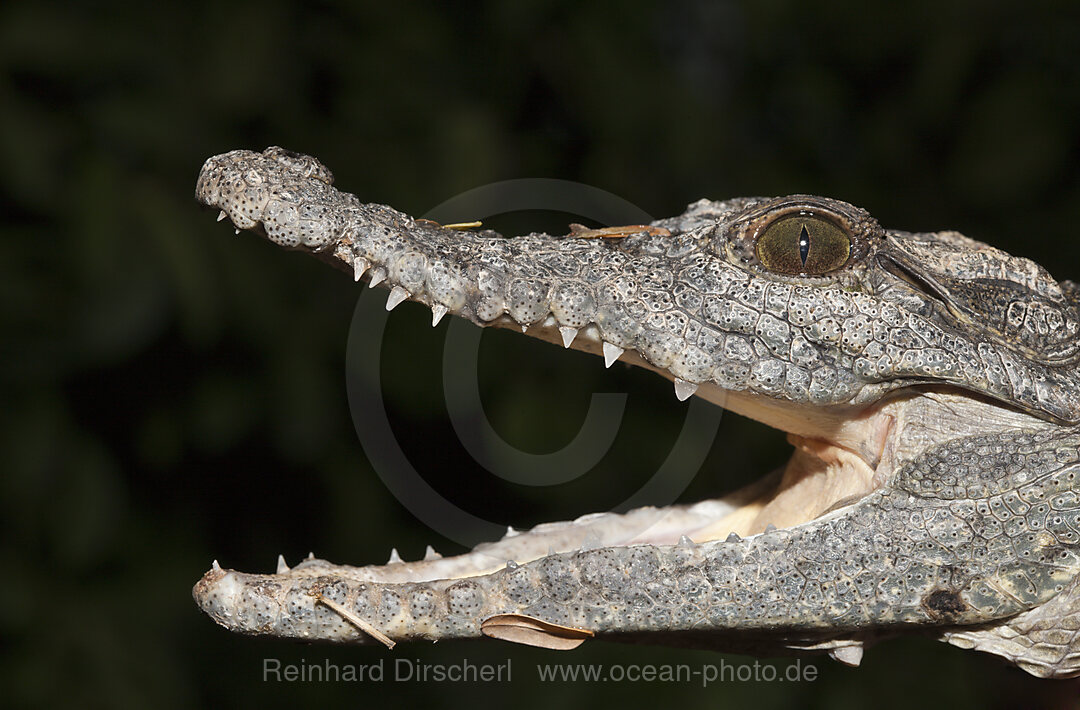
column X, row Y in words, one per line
column 927, row 382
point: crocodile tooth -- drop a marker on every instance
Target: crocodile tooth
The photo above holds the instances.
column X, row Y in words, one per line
column 685, row 541
column 770, row 527
column 377, row 277
column 568, row 335
column 430, row 554
column 591, row 542
column 611, row 353
column 524, row 328
column 684, row 389
column 222, row 215
column 510, row 532
column 733, row 537
column 215, row 566
column 282, row 568
column 511, row 565
column 310, row 555
column 394, row 557
column 551, row 551
column 359, row 267
column 397, row 295
column 236, row 231
column 437, row 312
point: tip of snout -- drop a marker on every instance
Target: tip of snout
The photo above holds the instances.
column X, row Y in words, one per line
column 216, row 594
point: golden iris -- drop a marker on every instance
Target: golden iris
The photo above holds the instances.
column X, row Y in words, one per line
column 803, row 244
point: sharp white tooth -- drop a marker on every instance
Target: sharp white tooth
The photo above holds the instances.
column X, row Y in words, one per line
column 221, row 215
column 397, row 295
column 282, row 568
column 311, row 555
column 215, row 566
column 848, row 655
column 236, row 231
column 437, row 312
column 611, row 354
column 359, row 267
column 733, row 537
column 510, row 532
column 524, row 328
column 684, row 389
column 511, row 565
column 430, row 554
column 377, row 277
column 394, row 557
column 685, row 541
column 770, row 527
column 551, row 551
column 568, row 335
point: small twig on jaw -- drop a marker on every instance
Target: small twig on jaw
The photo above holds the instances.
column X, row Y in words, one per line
column 357, row 621
column 580, row 231
column 459, row 226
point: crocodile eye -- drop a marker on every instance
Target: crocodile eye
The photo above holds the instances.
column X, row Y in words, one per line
column 803, row 244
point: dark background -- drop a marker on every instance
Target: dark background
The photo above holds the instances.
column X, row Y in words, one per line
column 173, row 394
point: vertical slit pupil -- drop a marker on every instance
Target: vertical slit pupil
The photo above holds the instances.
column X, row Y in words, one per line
column 804, row 244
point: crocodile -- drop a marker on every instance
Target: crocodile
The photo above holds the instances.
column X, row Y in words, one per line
column 927, row 382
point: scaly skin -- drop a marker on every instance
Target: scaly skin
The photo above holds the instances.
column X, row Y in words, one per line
column 929, row 385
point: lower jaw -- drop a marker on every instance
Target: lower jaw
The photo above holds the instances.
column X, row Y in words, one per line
column 819, row 478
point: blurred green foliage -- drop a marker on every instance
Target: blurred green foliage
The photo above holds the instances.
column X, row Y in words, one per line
column 174, row 394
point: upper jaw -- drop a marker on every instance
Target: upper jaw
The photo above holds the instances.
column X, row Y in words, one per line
column 815, row 357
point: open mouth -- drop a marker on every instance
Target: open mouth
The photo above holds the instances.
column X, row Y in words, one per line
column 840, row 456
